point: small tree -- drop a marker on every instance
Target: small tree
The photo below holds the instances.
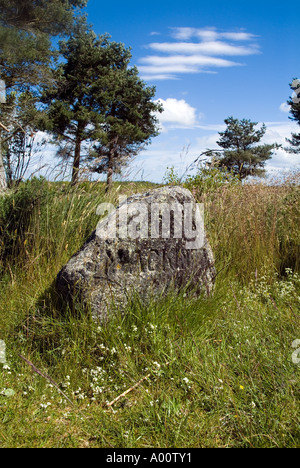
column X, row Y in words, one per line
column 241, row 154
column 97, row 101
column 294, row 104
column 19, row 115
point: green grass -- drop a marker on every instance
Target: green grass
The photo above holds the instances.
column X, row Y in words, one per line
column 219, row 369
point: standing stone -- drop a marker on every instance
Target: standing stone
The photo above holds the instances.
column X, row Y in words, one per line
column 152, row 242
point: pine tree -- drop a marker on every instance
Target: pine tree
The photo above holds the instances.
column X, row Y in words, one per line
column 98, row 100
column 40, row 16
column 129, row 122
column 26, row 28
column 294, row 104
column 241, row 154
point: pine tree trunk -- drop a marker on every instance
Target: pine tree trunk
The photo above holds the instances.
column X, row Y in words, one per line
column 76, row 164
column 110, row 173
column 3, row 183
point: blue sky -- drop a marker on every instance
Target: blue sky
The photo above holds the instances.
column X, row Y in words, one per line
column 208, row 60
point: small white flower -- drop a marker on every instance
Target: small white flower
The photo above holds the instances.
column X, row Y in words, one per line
column 45, row 406
column 66, row 385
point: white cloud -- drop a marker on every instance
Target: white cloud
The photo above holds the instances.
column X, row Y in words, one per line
column 284, row 107
column 279, row 131
column 183, row 33
column 158, row 76
column 177, row 113
column 166, row 71
column 206, row 48
column 195, row 61
column 211, row 34
column 174, row 64
column 201, row 55
column 238, row 36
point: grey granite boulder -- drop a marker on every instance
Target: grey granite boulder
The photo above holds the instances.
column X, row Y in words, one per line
column 150, row 243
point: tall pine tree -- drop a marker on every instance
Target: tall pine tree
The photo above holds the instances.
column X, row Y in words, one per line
column 98, row 107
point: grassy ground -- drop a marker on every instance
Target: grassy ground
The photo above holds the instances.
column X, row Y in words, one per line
column 211, row 372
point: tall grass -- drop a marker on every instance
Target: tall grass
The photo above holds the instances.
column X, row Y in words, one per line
column 219, row 369
column 254, row 228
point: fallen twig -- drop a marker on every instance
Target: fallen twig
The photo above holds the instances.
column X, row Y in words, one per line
column 109, row 405
column 128, row 391
column 37, row 371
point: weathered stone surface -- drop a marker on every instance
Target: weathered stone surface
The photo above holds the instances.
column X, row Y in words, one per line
column 108, row 269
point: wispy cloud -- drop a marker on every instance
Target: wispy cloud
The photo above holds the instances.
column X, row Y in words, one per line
column 210, row 34
column 206, row 48
column 201, row 55
column 193, row 61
